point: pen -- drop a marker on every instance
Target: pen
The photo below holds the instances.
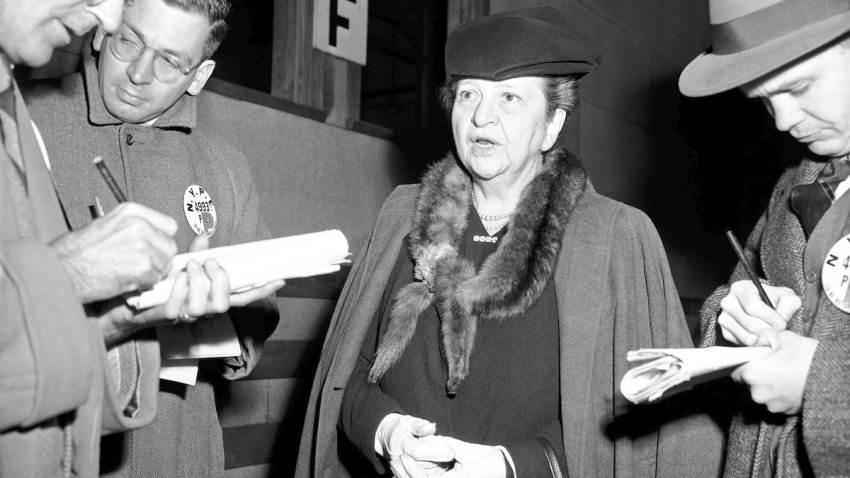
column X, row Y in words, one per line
column 747, row 267
column 110, row 181
column 96, row 209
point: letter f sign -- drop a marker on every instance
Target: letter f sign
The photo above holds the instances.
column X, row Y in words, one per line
column 340, row 28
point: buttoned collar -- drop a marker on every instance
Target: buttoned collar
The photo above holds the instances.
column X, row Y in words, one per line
column 182, row 114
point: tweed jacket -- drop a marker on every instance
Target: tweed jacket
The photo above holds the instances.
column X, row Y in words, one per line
column 155, row 165
column 815, row 442
column 614, row 293
column 56, row 389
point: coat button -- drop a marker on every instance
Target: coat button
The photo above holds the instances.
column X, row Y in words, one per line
column 129, row 139
column 811, row 276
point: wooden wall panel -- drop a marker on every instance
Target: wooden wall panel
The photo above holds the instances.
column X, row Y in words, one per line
column 462, row 11
column 298, row 71
column 287, row 359
column 308, row 76
column 250, row 444
column 274, row 443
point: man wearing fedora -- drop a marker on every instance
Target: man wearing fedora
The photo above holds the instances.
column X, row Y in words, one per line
column 793, row 55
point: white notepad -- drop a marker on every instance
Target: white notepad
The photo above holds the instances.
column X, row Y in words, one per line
column 253, row 264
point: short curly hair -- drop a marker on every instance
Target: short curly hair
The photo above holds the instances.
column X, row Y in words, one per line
column 560, row 91
column 215, row 11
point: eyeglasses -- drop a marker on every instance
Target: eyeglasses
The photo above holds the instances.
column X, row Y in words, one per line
column 128, row 47
column 94, row 3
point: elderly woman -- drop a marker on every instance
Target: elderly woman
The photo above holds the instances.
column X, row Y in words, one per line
column 485, row 325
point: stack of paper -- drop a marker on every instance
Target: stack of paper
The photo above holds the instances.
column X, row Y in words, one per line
column 253, row 264
column 206, row 338
column 663, row 369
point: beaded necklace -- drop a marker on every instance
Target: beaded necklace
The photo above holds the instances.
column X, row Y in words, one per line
column 493, row 218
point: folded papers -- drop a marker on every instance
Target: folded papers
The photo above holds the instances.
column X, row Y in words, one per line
column 253, row 264
column 208, row 337
column 662, row 369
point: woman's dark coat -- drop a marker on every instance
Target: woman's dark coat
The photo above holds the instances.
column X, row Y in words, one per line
column 615, row 293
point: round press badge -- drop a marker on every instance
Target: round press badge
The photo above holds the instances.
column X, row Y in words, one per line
column 835, row 275
column 199, row 209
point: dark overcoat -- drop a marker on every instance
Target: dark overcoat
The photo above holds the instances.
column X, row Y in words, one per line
column 615, row 293
column 815, row 442
column 57, row 388
column 154, row 165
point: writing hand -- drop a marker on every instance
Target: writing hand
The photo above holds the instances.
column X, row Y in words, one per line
column 128, row 249
column 744, row 315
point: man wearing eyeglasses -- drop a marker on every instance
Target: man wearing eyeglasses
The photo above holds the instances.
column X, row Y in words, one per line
column 134, row 105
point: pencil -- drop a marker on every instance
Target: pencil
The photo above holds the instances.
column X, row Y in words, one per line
column 98, row 207
column 747, row 267
column 110, row 181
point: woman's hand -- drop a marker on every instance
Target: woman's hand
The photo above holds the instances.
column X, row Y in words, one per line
column 744, row 315
column 398, row 439
column 472, row 460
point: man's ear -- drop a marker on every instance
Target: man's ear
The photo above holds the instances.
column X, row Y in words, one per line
column 97, row 41
column 202, row 74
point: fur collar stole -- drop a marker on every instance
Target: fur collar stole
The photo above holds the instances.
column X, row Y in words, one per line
column 511, row 279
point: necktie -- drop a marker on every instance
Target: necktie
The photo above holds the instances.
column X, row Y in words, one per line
column 811, row 201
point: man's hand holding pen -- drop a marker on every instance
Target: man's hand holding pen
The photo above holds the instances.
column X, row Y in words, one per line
column 128, row 249
column 779, row 378
column 748, row 308
column 744, row 315
column 132, row 248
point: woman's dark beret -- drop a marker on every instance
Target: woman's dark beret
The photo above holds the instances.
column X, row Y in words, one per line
column 528, row 42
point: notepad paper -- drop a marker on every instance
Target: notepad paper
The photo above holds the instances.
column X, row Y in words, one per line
column 253, row 264
column 182, row 345
column 659, row 371
column 179, row 370
column 206, row 338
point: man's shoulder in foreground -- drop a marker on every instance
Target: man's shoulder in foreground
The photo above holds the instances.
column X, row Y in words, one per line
column 51, row 98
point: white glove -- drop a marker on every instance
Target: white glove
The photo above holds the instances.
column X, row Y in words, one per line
column 398, row 439
column 473, row 460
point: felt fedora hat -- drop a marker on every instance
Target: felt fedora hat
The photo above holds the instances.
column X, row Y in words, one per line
column 751, row 38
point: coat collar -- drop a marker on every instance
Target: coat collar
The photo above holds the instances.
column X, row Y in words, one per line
column 785, row 233
column 6, row 74
column 182, row 114
column 510, row 280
